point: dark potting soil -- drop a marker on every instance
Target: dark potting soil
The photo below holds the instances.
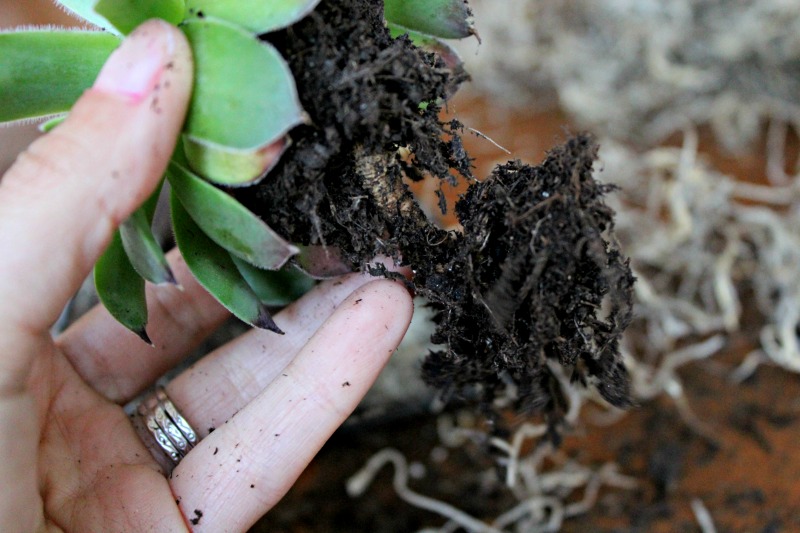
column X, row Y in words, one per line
column 534, row 279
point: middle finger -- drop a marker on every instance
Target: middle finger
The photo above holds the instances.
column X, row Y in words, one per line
column 215, row 388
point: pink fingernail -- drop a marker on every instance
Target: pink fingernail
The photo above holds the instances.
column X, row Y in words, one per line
column 133, row 70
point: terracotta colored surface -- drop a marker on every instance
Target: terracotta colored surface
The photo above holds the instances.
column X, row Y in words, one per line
column 489, row 140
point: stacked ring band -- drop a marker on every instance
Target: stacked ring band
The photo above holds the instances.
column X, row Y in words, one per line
column 171, row 431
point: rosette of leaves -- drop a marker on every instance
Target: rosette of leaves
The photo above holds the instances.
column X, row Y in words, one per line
column 243, row 106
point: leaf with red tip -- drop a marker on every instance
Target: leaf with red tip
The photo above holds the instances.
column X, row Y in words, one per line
column 227, row 222
column 449, row 19
column 322, row 262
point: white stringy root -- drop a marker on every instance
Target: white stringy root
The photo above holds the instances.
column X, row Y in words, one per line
column 713, row 256
column 703, row 517
column 639, row 70
column 699, row 253
column 541, row 480
column 703, row 245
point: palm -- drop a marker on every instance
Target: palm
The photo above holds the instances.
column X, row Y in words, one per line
column 93, row 468
column 94, row 472
column 72, row 459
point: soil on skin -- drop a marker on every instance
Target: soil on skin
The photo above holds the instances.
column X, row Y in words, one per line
column 534, row 278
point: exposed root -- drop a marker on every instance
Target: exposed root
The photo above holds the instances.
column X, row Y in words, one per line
column 703, row 517
column 541, row 491
column 359, row 482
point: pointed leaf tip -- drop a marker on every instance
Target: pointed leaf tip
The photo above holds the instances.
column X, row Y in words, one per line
column 121, row 289
column 265, row 321
column 141, row 246
column 227, row 222
column 142, row 333
column 214, row 268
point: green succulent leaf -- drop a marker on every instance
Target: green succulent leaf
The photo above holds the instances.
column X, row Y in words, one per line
column 258, row 16
column 229, row 223
column 125, row 15
column 244, row 102
column 121, row 289
column 216, row 271
column 84, row 9
column 429, row 43
column 144, row 252
column 275, row 288
column 229, row 167
column 43, row 72
column 448, row 19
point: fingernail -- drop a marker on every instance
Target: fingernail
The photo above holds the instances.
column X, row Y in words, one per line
column 134, row 69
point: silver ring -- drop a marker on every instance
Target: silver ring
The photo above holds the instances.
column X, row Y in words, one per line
column 168, row 428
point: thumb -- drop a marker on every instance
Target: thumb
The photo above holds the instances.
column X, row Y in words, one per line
column 64, row 197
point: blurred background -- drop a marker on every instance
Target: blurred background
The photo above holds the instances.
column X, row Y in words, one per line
column 696, row 105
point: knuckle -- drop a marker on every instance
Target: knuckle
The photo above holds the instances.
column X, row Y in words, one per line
column 53, row 155
column 62, row 160
column 37, row 168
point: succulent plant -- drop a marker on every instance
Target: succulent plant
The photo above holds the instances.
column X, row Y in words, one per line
column 243, row 105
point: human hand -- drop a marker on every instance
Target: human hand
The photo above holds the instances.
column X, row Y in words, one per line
column 73, row 460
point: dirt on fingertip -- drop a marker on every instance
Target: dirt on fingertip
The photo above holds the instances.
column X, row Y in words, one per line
column 535, row 278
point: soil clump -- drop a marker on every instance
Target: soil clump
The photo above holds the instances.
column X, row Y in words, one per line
column 535, row 277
